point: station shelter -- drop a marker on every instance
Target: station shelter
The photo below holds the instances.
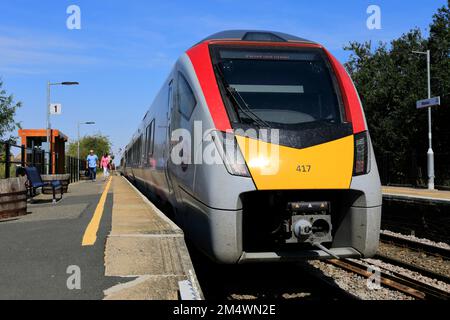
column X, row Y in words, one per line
column 32, row 139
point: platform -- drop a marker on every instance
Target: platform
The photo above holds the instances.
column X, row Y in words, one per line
column 417, row 195
column 145, row 244
column 122, row 246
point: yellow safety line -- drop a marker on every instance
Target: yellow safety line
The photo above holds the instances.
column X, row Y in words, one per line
column 90, row 235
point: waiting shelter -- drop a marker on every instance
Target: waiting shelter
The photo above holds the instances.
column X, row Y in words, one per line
column 32, row 139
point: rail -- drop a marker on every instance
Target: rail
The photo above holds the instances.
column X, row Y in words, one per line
column 416, row 246
column 394, row 280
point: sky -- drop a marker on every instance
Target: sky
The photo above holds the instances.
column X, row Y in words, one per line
column 124, row 50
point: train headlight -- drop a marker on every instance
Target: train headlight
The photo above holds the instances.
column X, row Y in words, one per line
column 230, row 153
column 362, row 157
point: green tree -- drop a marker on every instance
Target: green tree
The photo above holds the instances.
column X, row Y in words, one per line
column 99, row 143
column 7, row 112
column 390, row 79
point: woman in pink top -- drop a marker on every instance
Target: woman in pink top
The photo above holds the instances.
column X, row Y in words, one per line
column 104, row 163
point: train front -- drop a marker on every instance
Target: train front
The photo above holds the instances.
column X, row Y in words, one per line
column 301, row 135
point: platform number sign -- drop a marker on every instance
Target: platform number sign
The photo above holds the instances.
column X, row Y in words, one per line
column 55, row 108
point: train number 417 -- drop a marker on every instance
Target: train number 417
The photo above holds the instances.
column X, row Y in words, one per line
column 304, row 168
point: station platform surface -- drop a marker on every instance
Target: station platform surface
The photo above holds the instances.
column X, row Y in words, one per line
column 103, row 240
column 144, row 243
column 415, row 194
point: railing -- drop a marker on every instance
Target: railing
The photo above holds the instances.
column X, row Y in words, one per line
column 10, row 160
column 72, row 166
column 13, row 157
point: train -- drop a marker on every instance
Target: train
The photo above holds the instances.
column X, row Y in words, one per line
column 257, row 146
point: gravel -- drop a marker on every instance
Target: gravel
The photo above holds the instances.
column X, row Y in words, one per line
column 390, row 268
column 356, row 284
column 416, row 239
column 420, row 259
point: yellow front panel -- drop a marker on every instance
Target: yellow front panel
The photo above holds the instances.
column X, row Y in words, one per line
column 324, row 166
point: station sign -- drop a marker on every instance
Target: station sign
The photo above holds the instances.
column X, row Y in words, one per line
column 55, row 108
column 435, row 101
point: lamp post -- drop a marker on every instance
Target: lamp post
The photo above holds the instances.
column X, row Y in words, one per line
column 49, row 84
column 78, row 148
column 430, row 153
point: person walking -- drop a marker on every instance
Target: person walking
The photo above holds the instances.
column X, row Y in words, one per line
column 92, row 164
column 104, row 163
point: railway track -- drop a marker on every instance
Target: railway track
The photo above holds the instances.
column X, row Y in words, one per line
column 423, row 271
column 416, row 246
column 268, row 281
column 394, row 280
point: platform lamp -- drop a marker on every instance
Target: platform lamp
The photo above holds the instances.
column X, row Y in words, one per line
column 78, row 147
column 430, row 153
column 49, row 126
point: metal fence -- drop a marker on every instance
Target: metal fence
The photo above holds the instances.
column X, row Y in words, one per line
column 75, row 167
column 412, row 169
column 13, row 157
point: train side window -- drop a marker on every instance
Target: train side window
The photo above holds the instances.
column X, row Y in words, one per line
column 140, row 156
column 169, row 95
column 150, row 131
column 146, row 144
column 186, row 100
column 152, row 140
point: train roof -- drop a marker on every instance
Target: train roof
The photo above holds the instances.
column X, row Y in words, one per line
column 255, row 35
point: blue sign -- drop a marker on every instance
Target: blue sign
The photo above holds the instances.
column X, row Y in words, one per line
column 435, row 101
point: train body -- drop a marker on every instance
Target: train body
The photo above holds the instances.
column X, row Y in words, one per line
column 293, row 174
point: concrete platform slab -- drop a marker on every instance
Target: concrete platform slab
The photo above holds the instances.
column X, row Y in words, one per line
column 416, row 194
column 146, row 288
column 144, row 243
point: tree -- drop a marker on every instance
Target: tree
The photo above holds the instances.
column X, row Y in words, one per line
column 7, row 112
column 99, row 143
column 390, row 79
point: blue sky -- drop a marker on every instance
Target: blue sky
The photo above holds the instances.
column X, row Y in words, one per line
column 125, row 49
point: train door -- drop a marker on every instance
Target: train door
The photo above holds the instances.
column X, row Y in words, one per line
column 181, row 167
column 171, row 166
column 168, row 148
column 182, row 151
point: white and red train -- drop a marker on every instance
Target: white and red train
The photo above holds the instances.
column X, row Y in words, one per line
column 322, row 200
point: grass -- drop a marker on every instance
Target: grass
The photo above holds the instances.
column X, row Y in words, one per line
column 12, row 171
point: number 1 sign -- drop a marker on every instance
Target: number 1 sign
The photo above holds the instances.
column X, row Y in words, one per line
column 55, row 108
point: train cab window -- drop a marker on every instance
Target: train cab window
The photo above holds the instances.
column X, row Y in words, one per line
column 285, row 87
column 186, row 99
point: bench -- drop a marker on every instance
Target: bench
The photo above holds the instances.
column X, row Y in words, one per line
column 35, row 181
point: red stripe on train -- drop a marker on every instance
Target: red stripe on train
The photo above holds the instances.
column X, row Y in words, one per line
column 353, row 108
column 201, row 60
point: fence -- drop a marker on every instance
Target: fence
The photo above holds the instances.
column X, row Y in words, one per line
column 412, row 169
column 13, row 156
column 74, row 167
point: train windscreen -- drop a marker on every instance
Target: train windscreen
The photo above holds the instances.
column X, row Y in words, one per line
column 277, row 87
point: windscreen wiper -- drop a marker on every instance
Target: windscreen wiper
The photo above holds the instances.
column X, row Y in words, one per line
column 242, row 107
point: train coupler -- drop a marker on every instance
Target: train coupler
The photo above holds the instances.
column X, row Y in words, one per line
column 310, row 222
